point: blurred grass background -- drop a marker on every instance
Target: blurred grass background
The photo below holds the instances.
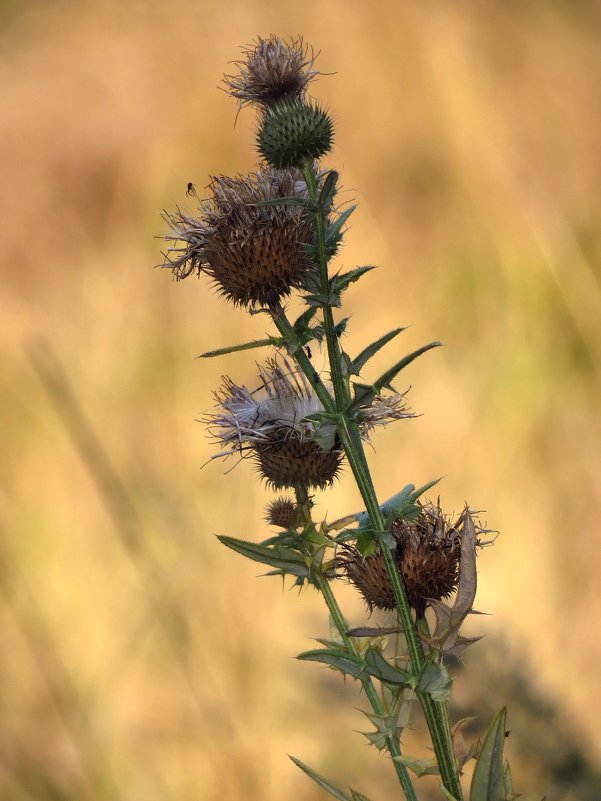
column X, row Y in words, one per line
column 139, row 659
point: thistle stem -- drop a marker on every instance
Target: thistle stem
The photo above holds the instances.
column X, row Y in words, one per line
column 322, row 583
column 392, row 743
column 435, row 713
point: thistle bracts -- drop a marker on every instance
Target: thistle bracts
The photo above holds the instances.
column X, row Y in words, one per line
column 293, row 133
column 254, row 253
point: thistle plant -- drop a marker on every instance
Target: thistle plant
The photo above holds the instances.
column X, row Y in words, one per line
column 262, row 238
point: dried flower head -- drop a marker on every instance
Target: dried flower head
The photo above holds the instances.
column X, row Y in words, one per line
column 271, row 423
column 254, row 253
column 272, row 70
column 282, row 513
column 427, row 554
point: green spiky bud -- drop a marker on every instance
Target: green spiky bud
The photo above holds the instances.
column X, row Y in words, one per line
column 293, row 132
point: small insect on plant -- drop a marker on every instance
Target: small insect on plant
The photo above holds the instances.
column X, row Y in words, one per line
column 190, row 189
column 262, row 239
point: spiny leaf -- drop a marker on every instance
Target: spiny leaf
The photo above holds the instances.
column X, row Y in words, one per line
column 390, row 725
column 385, row 380
column 257, row 343
column 336, row 286
column 508, row 782
column 305, row 318
column 488, row 780
column 320, row 780
column 328, row 190
column 278, row 556
column 421, row 767
column 347, row 663
column 358, row 796
column 435, row 681
column 366, row 542
column 340, row 326
column 381, row 669
column 304, row 332
column 325, row 429
column 366, row 354
column 403, row 504
column 341, row 281
column 333, row 232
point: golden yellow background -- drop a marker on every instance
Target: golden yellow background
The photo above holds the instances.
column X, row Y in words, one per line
column 141, row 660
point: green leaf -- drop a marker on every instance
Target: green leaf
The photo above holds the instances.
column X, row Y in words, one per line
column 366, row 542
column 447, row 794
column 386, row 378
column 389, row 725
column 363, row 396
column 421, row 767
column 278, row 556
column 305, row 318
column 336, row 286
column 435, row 681
column 366, row 354
column 339, row 660
column 488, row 780
column 328, row 190
column 340, row 326
column 346, row 364
column 358, row 796
column 304, row 332
column 334, row 645
column 381, row 669
column 403, row 504
column 325, row 429
column 257, row 343
column 333, row 232
column 508, row 781
column 320, row 780
column 341, row 281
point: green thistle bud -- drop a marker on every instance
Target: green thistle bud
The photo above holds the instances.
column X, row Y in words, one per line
column 293, row 132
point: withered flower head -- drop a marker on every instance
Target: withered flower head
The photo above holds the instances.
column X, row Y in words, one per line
column 282, row 513
column 271, row 423
column 254, row 253
column 427, row 554
column 272, row 70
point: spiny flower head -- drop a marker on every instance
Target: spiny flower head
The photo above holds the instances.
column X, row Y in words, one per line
column 427, row 554
column 293, row 133
column 273, row 423
column 282, row 513
column 272, row 70
column 255, row 254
